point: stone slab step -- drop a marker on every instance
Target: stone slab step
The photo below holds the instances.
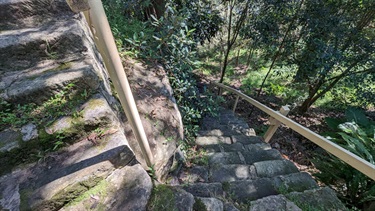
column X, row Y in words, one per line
column 243, row 139
column 224, row 131
column 317, row 199
column 298, row 182
column 271, row 168
column 195, row 174
column 252, row 157
column 224, row 147
column 233, row 172
column 223, row 158
column 37, row 88
column 24, row 48
column 204, row 189
column 64, row 174
column 225, row 144
column 211, row 204
column 209, row 140
column 220, row 158
column 27, row 13
column 245, row 190
column 271, row 203
column 249, row 190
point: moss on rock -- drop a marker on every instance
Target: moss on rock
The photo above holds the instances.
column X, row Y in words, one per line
column 69, row 194
column 162, row 198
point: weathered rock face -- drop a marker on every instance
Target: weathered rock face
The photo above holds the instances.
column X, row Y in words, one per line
column 62, row 141
column 159, row 114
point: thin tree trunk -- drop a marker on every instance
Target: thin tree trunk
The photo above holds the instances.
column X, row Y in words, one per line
column 280, row 47
column 225, row 63
column 238, row 54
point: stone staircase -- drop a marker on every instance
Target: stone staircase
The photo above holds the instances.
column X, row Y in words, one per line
column 241, row 172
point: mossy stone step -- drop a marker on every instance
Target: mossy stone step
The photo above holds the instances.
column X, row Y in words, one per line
column 249, row 190
column 320, row 199
column 204, row 189
column 24, row 48
column 27, row 13
column 38, row 88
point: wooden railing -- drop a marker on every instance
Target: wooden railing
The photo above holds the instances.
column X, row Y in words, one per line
column 355, row 161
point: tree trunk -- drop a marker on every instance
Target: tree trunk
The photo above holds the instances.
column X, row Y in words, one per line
column 156, row 8
column 238, row 55
column 229, row 45
column 280, row 47
column 225, row 64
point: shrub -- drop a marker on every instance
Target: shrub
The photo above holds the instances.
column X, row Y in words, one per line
column 356, row 133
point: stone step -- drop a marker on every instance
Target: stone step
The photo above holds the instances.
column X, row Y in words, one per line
column 204, row 189
column 249, row 190
column 211, row 204
column 235, row 172
column 233, row 129
column 28, row 13
column 210, row 140
column 276, row 202
column 221, row 144
column 242, row 188
column 40, row 84
column 271, row 168
column 250, row 157
column 316, row 199
column 62, row 176
column 231, row 172
column 24, row 48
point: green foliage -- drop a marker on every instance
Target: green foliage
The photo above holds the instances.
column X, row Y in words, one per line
column 169, row 41
column 62, row 103
column 152, row 172
column 132, row 35
column 356, row 133
column 176, row 46
column 203, row 16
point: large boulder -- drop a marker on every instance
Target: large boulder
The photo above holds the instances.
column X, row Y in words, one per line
column 159, row 113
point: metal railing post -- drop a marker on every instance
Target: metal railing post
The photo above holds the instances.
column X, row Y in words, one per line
column 105, row 42
column 274, row 124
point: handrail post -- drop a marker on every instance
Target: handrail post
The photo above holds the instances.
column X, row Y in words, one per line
column 104, row 40
column 235, row 103
column 274, row 124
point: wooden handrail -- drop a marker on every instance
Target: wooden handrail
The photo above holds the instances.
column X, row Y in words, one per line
column 103, row 38
column 348, row 157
